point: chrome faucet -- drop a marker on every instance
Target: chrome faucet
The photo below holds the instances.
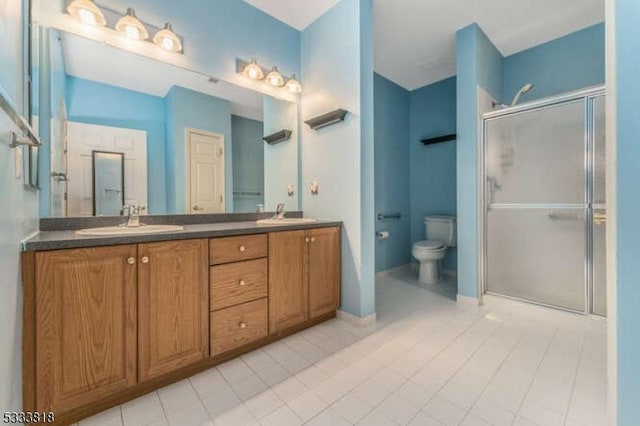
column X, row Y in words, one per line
column 132, row 213
column 280, row 212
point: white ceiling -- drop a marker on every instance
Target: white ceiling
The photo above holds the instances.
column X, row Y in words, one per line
column 297, row 13
column 415, row 39
column 117, row 67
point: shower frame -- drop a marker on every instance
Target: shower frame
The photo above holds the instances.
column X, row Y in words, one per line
column 587, row 95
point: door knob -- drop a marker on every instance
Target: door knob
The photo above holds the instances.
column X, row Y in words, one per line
column 144, row 260
column 242, row 248
column 131, row 260
column 313, row 239
column 306, row 240
column 242, row 325
column 242, row 283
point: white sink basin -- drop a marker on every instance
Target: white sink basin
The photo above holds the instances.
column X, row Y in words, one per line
column 123, row 230
column 286, row 221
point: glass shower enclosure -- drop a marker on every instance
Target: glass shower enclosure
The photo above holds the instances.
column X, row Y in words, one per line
column 543, row 202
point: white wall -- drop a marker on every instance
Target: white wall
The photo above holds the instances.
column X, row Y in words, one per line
column 19, row 214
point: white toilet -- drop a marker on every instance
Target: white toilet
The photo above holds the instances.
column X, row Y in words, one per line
column 441, row 234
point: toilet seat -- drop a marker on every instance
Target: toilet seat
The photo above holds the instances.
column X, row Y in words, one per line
column 428, row 245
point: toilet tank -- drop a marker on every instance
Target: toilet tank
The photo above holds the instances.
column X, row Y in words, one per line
column 441, row 228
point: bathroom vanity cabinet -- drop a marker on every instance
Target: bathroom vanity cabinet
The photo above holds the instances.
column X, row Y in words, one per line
column 103, row 325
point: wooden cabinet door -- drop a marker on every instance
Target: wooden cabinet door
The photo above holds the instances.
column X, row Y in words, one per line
column 324, row 271
column 173, row 306
column 288, row 287
column 85, row 325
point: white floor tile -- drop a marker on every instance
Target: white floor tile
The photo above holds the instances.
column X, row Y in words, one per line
column 283, row 416
column 111, row 417
column 307, row 406
column 352, row 408
column 328, row 418
column 264, row 403
column 427, row 361
column 444, row 411
column 178, row 395
column 143, row 410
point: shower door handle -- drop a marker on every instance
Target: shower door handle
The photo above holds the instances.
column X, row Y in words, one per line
column 567, row 217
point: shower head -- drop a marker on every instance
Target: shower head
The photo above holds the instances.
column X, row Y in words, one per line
column 524, row 89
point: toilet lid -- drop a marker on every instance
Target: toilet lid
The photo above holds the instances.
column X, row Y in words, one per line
column 429, row 245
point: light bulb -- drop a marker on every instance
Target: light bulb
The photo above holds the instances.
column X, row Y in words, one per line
column 293, row 85
column 167, row 39
column 253, row 70
column 275, row 78
column 86, row 12
column 87, row 16
column 130, row 26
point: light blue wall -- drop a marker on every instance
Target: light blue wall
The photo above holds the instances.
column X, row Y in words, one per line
column 433, row 167
column 479, row 64
column 19, row 216
column 217, row 32
column 342, row 78
column 101, row 104
column 185, row 108
column 392, row 123
column 569, row 63
column 628, row 209
column 248, row 162
column 283, row 156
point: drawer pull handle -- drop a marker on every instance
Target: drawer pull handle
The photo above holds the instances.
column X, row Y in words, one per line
column 131, row 260
column 242, row 249
column 242, row 283
column 243, row 325
column 144, row 260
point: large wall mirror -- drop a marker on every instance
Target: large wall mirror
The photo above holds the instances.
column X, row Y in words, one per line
column 187, row 143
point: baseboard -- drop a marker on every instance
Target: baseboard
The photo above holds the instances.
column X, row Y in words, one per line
column 355, row 320
column 467, row 300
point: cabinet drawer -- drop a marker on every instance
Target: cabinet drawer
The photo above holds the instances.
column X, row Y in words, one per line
column 236, row 283
column 236, row 326
column 234, row 249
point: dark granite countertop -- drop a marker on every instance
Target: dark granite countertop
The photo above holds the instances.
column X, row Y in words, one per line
column 56, row 240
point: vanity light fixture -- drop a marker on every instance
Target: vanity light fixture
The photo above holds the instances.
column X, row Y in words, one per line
column 274, row 77
column 130, row 26
column 253, row 70
column 293, row 85
column 86, row 12
column 167, row 39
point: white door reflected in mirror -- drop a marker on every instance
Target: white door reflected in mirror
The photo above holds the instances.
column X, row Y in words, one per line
column 206, row 172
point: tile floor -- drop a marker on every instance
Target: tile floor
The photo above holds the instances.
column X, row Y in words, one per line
column 426, row 361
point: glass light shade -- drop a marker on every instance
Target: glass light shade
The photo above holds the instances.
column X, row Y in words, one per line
column 275, row 78
column 131, row 27
column 293, row 85
column 87, row 12
column 253, row 71
column 167, row 39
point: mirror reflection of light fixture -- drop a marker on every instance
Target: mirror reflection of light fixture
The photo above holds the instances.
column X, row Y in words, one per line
column 275, row 78
column 253, row 70
column 293, row 85
column 167, row 39
column 87, row 12
column 131, row 27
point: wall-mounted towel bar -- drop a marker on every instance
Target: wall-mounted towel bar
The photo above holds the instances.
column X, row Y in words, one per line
column 439, row 139
column 385, row 216
column 15, row 140
column 247, row 194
